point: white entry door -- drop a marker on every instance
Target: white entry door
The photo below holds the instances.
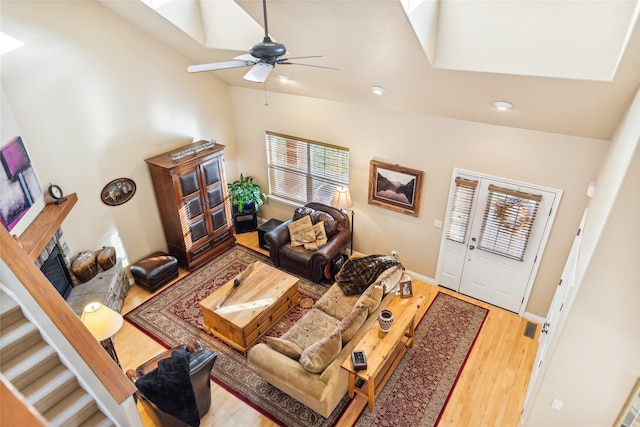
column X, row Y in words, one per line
column 494, row 233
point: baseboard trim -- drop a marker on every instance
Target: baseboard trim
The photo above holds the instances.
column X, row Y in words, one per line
column 528, row 316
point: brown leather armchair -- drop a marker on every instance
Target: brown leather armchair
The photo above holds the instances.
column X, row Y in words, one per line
column 200, row 364
column 309, row 263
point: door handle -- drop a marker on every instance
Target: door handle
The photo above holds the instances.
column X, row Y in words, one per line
column 471, row 247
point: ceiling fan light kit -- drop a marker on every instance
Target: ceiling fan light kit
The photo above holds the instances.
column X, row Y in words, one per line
column 263, row 56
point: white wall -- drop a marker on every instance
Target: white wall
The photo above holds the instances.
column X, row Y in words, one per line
column 597, row 359
column 434, row 145
column 92, row 98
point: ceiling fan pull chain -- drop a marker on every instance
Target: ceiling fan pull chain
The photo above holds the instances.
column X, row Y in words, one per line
column 266, row 101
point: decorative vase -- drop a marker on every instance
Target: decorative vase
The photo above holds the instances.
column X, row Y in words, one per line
column 385, row 319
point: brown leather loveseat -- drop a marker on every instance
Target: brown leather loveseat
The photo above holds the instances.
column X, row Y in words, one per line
column 305, row 262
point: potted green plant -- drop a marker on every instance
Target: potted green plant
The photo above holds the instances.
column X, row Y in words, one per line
column 246, row 195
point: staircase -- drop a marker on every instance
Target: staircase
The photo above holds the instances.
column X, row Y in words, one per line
column 34, row 369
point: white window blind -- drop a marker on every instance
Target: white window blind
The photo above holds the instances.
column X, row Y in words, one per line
column 507, row 222
column 305, row 171
column 461, row 206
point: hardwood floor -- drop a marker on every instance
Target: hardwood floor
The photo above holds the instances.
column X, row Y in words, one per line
column 490, row 391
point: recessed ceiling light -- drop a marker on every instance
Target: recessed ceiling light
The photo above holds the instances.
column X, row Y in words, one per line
column 378, row 90
column 503, row 105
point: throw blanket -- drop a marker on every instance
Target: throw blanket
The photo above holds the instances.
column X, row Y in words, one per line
column 169, row 387
column 357, row 274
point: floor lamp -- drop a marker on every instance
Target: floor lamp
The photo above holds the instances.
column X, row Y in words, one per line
column 342, row 200
column 103, row 323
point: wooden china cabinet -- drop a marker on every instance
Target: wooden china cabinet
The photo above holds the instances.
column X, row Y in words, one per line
column 191, row 192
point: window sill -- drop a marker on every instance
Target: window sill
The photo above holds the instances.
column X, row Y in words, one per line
column 284, row 201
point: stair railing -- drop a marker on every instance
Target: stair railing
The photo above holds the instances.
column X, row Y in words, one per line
column 64, row 319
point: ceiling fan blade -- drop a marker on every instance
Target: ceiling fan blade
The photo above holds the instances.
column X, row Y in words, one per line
column 247, row 57
column 219, row 66
column 259, row 72
column 300, row 57
column 308, row 65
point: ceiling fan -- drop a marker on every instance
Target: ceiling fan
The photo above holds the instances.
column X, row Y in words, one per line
column 262, row 56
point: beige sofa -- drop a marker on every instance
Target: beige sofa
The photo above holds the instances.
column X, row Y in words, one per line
column 305, row 361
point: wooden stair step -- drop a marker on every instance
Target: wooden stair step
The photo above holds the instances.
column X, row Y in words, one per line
column 10, row 311
column 51, row 388
column 72, row 410
column 98, row 419
column 16, row 338
column 30, row 365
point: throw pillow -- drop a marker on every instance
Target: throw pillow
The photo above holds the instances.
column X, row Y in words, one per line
column 330, row 224
column 318, row 355
column 321, row 238
column 301, row 231
column 370, row 299
column 169, row 387
column 351, row 324
column 285, row 347
column 390, row 278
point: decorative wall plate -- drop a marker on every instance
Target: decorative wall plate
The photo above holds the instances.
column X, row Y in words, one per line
column 118, row 191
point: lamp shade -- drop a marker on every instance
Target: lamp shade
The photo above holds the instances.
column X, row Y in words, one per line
column 342, row 198
column 101, row 321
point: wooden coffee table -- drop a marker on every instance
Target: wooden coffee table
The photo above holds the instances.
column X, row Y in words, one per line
column 384, row 350
column 262, row 298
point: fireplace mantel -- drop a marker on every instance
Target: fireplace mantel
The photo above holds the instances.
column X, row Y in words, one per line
column 41, row 230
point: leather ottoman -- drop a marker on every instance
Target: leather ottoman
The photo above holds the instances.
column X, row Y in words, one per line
column 155, row 270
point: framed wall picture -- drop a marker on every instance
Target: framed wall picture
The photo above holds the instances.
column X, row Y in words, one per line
column 19, row 186
column 118, row 191
column 395, row 187
column 406, row 287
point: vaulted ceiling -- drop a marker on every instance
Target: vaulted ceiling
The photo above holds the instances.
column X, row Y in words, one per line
column 567, row 66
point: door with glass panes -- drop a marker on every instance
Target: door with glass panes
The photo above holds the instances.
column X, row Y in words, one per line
column 493, row 238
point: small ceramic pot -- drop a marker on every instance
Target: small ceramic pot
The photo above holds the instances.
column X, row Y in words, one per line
column 385, row 319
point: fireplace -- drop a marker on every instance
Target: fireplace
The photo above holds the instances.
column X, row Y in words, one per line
column 56, row 271
column 55, row 262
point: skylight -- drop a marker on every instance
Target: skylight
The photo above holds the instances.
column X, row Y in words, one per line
column 8, row 43
column 525, row 37
column 220, row 24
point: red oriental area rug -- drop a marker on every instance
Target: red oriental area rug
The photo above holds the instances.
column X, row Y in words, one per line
column 421, row 384
column 415, row 394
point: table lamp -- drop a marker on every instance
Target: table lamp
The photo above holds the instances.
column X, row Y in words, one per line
column 103, row 323
column 342, row 200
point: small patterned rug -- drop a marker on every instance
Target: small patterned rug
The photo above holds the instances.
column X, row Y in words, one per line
column 173, row 316
column 421, row 384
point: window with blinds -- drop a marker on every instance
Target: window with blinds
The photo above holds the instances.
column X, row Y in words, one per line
column 507, row 222
column 460, row 217
column 305, row 171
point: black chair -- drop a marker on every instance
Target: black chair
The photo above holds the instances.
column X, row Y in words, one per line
column 200, row 364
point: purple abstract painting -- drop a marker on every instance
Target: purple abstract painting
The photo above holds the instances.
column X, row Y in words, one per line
column 19, row 186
